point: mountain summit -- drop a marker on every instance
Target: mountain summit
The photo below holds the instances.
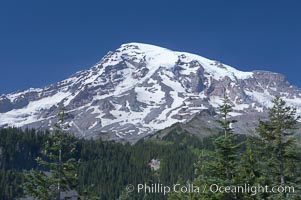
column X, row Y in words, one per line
column 140, row 88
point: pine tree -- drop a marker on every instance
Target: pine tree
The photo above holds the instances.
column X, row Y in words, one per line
column 57, row 165
column 277, row 135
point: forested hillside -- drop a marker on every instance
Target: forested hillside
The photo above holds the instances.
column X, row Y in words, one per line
column 105, row 167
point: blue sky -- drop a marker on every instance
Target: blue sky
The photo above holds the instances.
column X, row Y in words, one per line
column 42, row 42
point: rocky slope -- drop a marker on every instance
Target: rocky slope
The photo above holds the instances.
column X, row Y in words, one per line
column 139, row 89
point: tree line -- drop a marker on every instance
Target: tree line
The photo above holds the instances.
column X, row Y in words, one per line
column 45, row 164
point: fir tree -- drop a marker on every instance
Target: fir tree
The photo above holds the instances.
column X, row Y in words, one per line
column 219, row 167
column 226, row 145
column 57, row 166
column 276, row 133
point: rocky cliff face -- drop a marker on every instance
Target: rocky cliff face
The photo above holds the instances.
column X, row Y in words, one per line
column 139, row 89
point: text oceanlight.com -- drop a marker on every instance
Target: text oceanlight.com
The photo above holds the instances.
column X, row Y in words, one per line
column 213, row 188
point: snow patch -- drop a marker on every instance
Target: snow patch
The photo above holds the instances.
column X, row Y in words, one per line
column 30, row 113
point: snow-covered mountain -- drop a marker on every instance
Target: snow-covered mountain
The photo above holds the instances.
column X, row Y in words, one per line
column 140, row 88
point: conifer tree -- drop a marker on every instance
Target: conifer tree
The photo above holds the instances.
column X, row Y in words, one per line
column 250, row 168
column 225, row 145
column 57, row 165
column 219, row 167
column 277, row 135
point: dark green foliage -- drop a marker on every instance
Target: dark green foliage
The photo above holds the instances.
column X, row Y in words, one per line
column 226, row 147
column 43, row 183
column 220, row 166
column 57, row 164
column 250, row 167
column 10, row 184
column 106, row 167
column 279, row 145
column 272, row 159
column 18, row 150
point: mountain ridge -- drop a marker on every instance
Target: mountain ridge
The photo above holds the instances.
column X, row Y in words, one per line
column 139, row 89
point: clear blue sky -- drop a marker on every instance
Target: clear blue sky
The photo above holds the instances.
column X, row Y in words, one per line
column 44, row 41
